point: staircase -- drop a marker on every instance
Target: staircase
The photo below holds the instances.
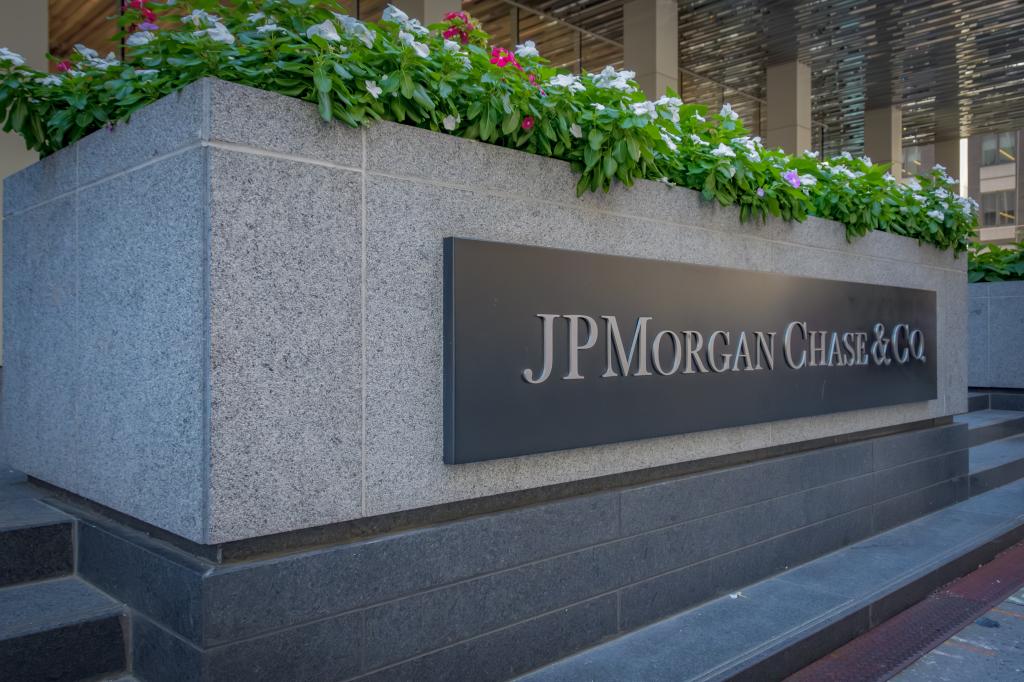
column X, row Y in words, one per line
column 775, row 627
column 996, row 438
column 53, row 625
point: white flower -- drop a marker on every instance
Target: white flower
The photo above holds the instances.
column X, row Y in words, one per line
column 918, row 198
column 568, row 81
column 866, row 159
column 373, row 89
column 452, row 46
column 699, row 117
column 139, row 38
column 808, row 180
column 410, row 40
column 753, row 156
column 50, row 80
column 450, row 122
column 392, row 13
column 200, row 17
column 698, row 140
column 914, row 184
column 269, row 28
column 847, row 156
column 356, row 28
column 666, row 101
column 576, row 131
column 527, row 49
column 415, row 26
column 13, row 57
column 219, row 34
column 645, row 109
column 723, row 150
column 728, row 113
column 146, row 72
column 937, row 215
column 668, row 141
column 610, row 78
column 939, row 167
column 889, row 178
column 255, row 16
column 808, row 153
column 86, row 52
column 465, row 61
column 941, row 193
column 325, row 30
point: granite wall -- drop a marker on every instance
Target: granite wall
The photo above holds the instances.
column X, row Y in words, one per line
column 224, row 318
column 995, row 334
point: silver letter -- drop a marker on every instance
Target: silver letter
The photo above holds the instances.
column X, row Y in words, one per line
column 549, row 351
column 787, row 347
column 615, row 342
column 677, row 352
column 711, row 351
column 692, row 353
column 574, row 342
column 742, row 351
column 902, row 355
column 917, row 344
column 765, row 349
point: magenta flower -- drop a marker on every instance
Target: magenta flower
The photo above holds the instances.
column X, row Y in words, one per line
column 528, row 123
column 792, row 177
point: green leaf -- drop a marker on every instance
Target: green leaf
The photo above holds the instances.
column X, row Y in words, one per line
column 324, row 105
column 596, row 137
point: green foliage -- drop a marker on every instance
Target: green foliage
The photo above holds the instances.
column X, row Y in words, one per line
column 400, row 71
column 993, row 263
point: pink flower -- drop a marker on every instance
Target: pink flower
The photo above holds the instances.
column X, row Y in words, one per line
column 64, row 66
column 528, row 122
column 792, row 177
column 503, row 58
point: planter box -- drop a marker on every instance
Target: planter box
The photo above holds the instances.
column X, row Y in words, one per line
column 996, row 335
column 225, row 318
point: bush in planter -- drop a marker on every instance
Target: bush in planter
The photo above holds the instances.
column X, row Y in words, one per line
column 443, row 77
column 993, row 263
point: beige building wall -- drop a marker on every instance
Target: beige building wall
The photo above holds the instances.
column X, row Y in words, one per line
column 23, row 29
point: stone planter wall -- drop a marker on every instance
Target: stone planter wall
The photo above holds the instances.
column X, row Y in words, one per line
column 996, row 335
column 224, row 318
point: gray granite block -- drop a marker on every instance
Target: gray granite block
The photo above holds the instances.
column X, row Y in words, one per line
column 1006, row 501
column 997, row 453
column 40, row 292
column 34, row 608
column 681, row 648
column 977, row 342
column 52, row 176
column 922, row 473
column 1007, row 401
column 285, row 332
column 35, row 542
column 268, row 121
column 903, row 448
column 996, row 475
column 662, row 504
column 650, row 600
column 514, row 650
column 159, row 656
column 1006, row 337
column 263, row 596
column 140, row 352
column 1001, row 289
column 166, row 588
column 167, row 125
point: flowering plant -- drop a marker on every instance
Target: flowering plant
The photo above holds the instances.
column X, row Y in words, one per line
column 994, row 263
column 443, row 77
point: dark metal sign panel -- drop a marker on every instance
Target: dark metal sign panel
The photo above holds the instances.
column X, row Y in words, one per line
column 548, row 349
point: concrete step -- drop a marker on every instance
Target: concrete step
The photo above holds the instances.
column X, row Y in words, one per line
column 35, row 540
column 995, row 464
column 61, row 629
column 776, row 627
column 989, row 425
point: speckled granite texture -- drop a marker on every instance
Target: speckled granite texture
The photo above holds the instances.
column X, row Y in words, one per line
column 995, row 335
column 233, row 328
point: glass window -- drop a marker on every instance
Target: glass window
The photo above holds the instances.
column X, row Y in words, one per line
column 999, row 208
column 912, row 162
column 998, row 148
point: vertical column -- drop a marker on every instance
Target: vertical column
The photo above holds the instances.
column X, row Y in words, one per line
column 947, row 154
column 24, row 28
column 883, row 137
column 428, row 11
column 788, row 119
column 650, row 32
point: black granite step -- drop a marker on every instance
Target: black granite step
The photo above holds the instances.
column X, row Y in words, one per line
column 995, row 464
column 35, row 539
column 989, row 425
column 61, row 629
column 977, row 401
column 776, row 627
